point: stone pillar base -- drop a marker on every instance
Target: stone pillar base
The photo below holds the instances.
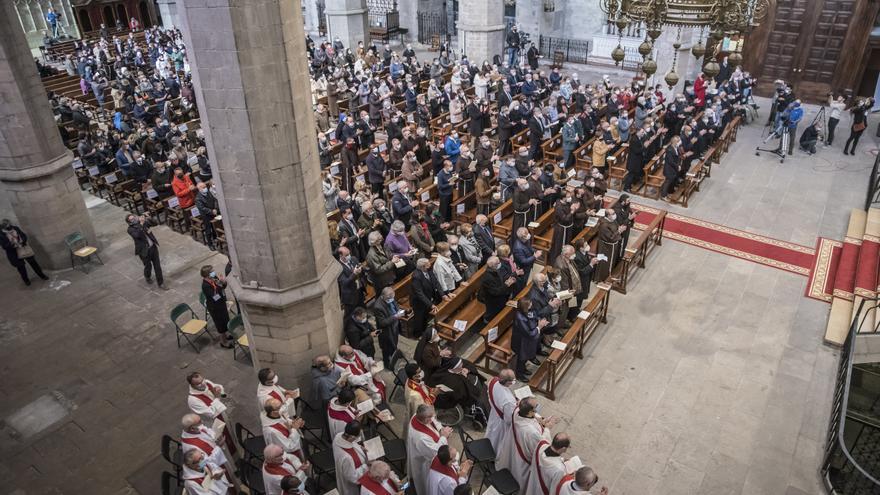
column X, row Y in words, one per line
column 288, row 328
column 481, row 29
column 347, row 19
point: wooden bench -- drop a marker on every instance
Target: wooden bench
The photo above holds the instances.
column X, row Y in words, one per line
column 462, row 307
column 638, row 250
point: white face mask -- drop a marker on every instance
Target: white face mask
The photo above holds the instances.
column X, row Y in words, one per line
column 275, row 380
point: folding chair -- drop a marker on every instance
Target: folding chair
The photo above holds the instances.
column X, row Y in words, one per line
column 251, row 476
column 315, row 418
column 170, row 484
column 252, row 445
column 480, row 451
column 239, row 337
column 395, row 454
column 504, row 482
column 203, row 302
column 80, row 250
column 399, row 373
column 172, row 452
column 194, row 327
column 322, row 460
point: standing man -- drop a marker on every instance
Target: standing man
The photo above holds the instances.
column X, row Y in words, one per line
column 351, row 287
column 548, row 466
column 424, row 295
column 388, row 314
column 501, row 404
column 445, row 184
column 609, row 241
column 14, row 241
column 204, row 400
column 213, row 288
column 350, row 459
column 446, row 473
column 527, row 430
column 208, row 208
column 146, row 247
column 425, row 437
column 52, row 19
column 581, row 481
column 512, row 46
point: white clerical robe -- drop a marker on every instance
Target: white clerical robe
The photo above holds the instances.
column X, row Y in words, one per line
column 277, row 431
column 265, row 392
column 351, row 464
column 442, row 480
column 195, row 483
column 204, row 442
column 370, row 487
column 209, row 407
column 567, row 486
column 518, row 446
column 545, row 471
column 274, row 473
column 359, row 367
column 338, row 416
column 422, row 443
column 501, row 405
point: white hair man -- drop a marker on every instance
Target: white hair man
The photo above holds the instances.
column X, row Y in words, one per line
column 278, row 465
column 202, row 477
column 280, row 430
column 359, row 374
column 501, row 405
column 379, row 480
column 195, row 436
column 425, row 437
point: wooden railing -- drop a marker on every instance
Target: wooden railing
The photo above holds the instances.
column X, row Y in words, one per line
column 635, row 254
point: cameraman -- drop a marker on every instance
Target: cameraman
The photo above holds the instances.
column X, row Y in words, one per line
column 790, row 118
column 213, row 288
column 513, row 45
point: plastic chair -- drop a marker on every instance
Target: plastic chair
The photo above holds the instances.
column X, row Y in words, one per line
column 80, row 250
column 191, row 329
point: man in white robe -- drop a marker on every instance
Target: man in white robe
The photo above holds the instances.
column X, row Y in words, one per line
column 425, row 437
column 269, row 387
column 548, row 466
column 204, row 400
column 350, row 459
column 501, row 405
column 341, row 411
column 379, row 480
column 195, row 436
column 580, row 483
column 278, row 465
column 281, row 431
column 358, row 366
column 446, row 473
column 201, row 477
column 519, row 444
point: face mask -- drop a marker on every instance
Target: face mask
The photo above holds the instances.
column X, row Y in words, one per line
column 349, row 217
column 203, row 464
column 571, row 257
column 275, row 380
column 212, row 274
column 201, row 386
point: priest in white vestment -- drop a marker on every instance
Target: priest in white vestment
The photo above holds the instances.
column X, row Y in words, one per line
column 341, row 410
column 446, row 473
column 501, row 405
column 519, row 444
column 201, row 477
column 278, row 465
column 358, row 367
column 281, row 431
column 548, row 466
column 269, row 387
column 425, row 437
column 350, row 459
column 380, row 480
column 204, row 400
column 581, row 482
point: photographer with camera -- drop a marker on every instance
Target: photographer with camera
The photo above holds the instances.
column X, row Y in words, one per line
column 836, row 107
column 214, row 290
column 859, row 124
column 145, row 246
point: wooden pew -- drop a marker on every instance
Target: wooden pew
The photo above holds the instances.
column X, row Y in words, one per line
column 638, row 251
column 462, row 307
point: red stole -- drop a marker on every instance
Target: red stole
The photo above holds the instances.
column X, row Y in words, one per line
column 544, row 488
column 344, row 416
column 204, row 398
column 565, row 479
column 199, row 444
column 429, row 430
column 519, row 449
column 420, row 389
column 438, row 466
column 281, row 429
column 498, row 411
column 356, row 368
column 377, row 488
column 280, row 469
column 355, row 457
column 275, row 395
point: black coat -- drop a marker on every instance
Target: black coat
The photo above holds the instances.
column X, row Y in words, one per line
column 386, row 323
column 215, row 295
column 358, row 335
column 142, row 237
column 12, row 251
column 206, row 204
column 349, row 292
column 485, row 240
column 424, row 292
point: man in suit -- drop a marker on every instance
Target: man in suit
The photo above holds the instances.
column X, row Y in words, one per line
column 635, row 160
column 522, row 251
column 484, row 237
column 401, row 205
column 146, row 246
column 496, row 287
column 351, row 287
column 425, row 293
column 388, row 313
column 349, row 234
column 545, row 304
column 208, row 208
column 537, row 131
column 504, row 97
column 505, row 131
column 376, row 171
column 359, row 332
column 671, row 167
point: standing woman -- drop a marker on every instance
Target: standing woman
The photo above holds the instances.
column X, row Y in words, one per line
column 213, row 286
column 14, row 242
column 859, row 123
column 526, row 337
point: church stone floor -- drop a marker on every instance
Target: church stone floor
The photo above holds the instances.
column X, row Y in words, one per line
column 709, row 378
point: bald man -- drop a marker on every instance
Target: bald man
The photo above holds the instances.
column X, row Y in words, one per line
column 521, row 441
column 548, row 466
column 580, row 483
column 281, row 431
column 277, row 465
column 358, row 366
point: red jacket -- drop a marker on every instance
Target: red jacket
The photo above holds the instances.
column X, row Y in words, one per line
column 182, row 189
column 700, row 91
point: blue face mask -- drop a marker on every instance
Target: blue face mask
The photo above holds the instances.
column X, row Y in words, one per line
column 203, row 463
column 212, row 274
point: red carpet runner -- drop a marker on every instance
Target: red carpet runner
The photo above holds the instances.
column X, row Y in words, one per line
column 815, row 263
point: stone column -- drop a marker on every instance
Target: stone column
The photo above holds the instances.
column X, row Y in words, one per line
column 248, row 65
column 35, row 167
column 168, row 13
column 481, row 29
column 347, row 19
column 310, row 16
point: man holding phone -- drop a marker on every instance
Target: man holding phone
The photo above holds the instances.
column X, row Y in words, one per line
column 213, row 288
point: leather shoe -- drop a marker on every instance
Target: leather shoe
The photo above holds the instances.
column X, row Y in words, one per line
column 44, row 277
column 543, row 353
column 149, row 280
column 535, row 362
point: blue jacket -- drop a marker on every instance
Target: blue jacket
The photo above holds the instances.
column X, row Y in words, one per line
column 444, row 186
column 452, row 148
column 794, row 116
column 507, row 175
column 523, row 254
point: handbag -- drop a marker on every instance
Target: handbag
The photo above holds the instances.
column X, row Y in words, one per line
column 24, row 252
column 860, row 126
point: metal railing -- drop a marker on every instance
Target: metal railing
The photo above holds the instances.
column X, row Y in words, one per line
column 577, row 51
column 431, row 25
column 874, row 185
column 841, row 473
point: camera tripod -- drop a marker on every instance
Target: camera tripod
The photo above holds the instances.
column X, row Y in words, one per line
column 781, row 132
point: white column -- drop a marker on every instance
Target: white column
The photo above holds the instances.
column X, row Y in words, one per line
column 347, row 19
column 310, row 16
column 168, row 12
